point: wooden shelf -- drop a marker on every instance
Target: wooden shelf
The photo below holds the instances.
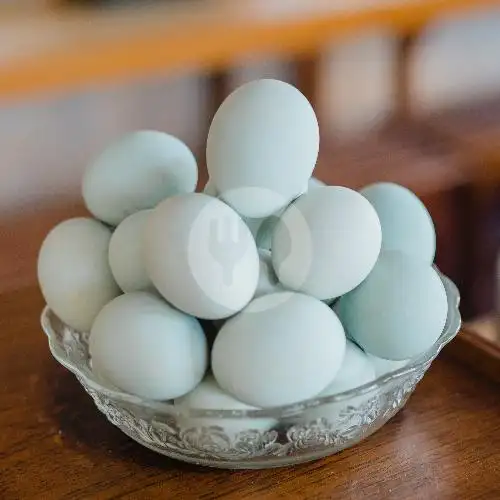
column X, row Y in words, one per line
column 476, row 127
column 475, row 131
column 405, row 152
column 49, row 49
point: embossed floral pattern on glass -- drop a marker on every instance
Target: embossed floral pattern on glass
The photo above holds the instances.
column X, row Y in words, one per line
column 156, row 425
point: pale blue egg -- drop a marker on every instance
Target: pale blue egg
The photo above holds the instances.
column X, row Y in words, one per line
column 137, row 172
column 210, row 189
column 262, row 147
column 384, row 366
column 399, row 311
column 406, row 223
column 326, row 243
column 314, row 183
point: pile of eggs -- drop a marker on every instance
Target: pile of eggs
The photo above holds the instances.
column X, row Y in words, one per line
column 310, row 289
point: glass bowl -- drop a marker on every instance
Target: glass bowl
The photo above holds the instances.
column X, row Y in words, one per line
column 250, row 439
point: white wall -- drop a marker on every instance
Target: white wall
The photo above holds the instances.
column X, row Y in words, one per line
column 45, row 144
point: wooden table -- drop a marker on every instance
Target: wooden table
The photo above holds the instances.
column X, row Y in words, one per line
column 55, row 444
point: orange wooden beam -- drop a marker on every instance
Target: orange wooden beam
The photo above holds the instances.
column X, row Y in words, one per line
column 56, row 49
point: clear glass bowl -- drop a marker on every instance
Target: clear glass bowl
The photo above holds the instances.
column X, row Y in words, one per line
column 258, row 438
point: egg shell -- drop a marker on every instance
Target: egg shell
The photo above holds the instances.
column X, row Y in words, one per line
column 145, row 347
column 355, row 371
column 254, row 224
column 268, row 281
column 326, row 242
column 282, row 348
column 126, row 257
column 399, row 311
column 384, row 366
column 208, row 395
column 262, row 147
column 210, row 189
column 201, row 256
column 406, row 224
column 73, row 271
column 137, row 172
column 314, row 183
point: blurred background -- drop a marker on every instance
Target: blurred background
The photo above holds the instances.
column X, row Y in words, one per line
column 405, row 90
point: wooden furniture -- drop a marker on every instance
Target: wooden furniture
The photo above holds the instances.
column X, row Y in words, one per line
column 55, row 444
column 476, row 127
column 21, row 235
column 50, row 48
column 479, row 347
column 475, row 131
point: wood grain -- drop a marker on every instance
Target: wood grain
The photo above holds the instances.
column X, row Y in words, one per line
column 55, row 444
column 56, row 49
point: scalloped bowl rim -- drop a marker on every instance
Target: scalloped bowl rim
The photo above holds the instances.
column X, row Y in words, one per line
column 452, row 327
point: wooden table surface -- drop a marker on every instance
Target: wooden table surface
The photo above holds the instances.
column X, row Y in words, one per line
column 55, row 444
